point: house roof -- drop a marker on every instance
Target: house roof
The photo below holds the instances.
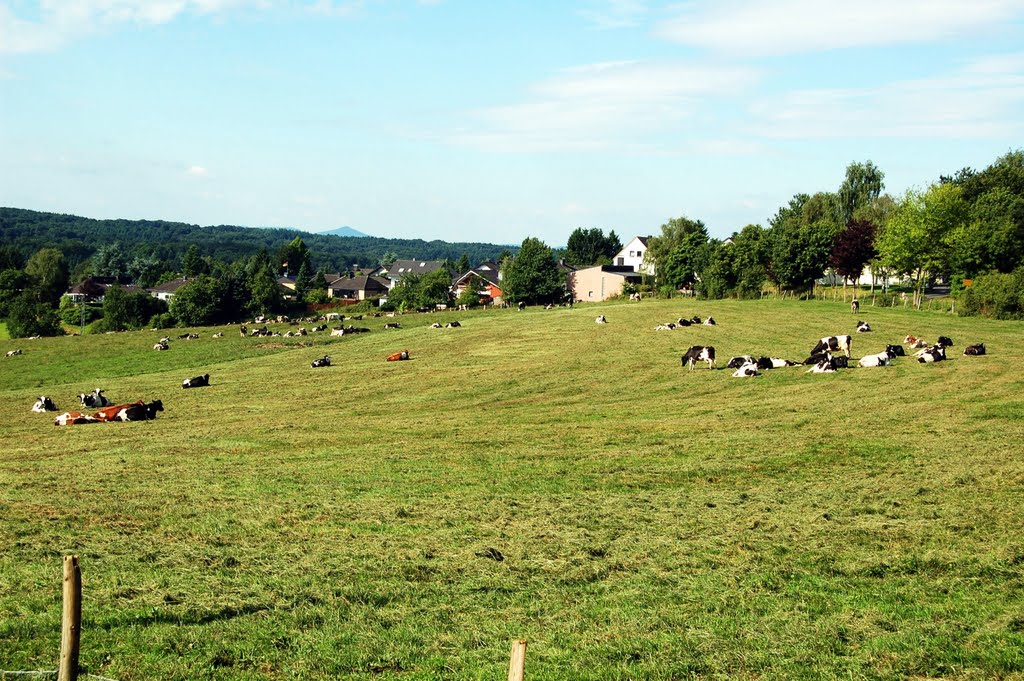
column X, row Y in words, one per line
column 89, row 287
column 360, row 283
column 170, row 286
column 400, row 268
column 490, row 276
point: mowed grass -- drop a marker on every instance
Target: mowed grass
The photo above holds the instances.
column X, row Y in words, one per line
column 653, row 523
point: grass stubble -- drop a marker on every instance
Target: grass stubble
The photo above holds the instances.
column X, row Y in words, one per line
column 651, row 523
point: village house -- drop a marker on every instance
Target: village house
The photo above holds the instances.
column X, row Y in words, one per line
column 632, row 255
column 167, row 290
column 601, row 282
column 488, row 281
column 360, row 287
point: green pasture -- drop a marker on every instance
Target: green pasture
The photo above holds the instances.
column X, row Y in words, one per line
column 531, row 475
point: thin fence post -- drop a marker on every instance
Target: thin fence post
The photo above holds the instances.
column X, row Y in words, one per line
column 517, row 661
column 71, row 620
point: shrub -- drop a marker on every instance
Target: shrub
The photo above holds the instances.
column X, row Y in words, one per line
column 999, row 296
column 164, row 320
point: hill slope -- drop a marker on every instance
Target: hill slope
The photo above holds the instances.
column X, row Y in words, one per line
column 529, row 475
column 79, row 238
column 343, row 231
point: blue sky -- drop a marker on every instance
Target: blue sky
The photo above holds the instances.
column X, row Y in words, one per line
column 492, row 121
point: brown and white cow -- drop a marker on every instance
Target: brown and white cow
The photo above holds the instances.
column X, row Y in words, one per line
column 398, row 356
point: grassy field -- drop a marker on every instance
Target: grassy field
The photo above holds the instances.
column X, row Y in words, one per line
column 651, row 523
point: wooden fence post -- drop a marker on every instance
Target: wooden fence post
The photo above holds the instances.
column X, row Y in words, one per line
column 517, row 663
column 71, row 620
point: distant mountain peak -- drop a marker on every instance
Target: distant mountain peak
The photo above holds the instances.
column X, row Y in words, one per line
column 344, row 231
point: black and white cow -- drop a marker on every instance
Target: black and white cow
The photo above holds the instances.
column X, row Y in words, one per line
column 882, row 359
column 740, row 360
column 452, row 325
column 436, row 325
column 13, row 353
column 683, row 322
column 94, row 399
column 746, row 371
column 699, row 353
column 601, row 319
column 944, row 341
column 140, row 411
column 710, row 321
column 975, row 350
column 936, row 353
column 863, row 327
column 773, row 363
column 833, row 344
column 43, row 405
column 161, row 346
column 393, row 325
column 896, row 350
column 324, row 361
column 521, row 306
column 665, row 327
column 695, row 320
column 196, row 381
column 825, row 366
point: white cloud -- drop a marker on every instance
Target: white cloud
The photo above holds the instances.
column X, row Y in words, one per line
column 197, row 171
column 609, row 14
column 605, row 105
column 60, row 21
column 754, row 27
column 983, row 98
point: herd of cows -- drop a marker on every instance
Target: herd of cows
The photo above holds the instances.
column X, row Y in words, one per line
column 824, row 357
column 828, row 355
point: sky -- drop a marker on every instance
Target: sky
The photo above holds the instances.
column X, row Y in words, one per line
column 470, row 120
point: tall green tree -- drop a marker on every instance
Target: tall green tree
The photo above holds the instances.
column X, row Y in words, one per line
column 27, row 316
column 199, row 302
column 48, row 274
column 587, row 247
column 751, row 259
column 801, row 239
column 532, row 276
column 13, row 283
column 916, row 240
column 192, row 264
column 264, row 292
column 863, row 184
column 293, row 256
column 676, row 252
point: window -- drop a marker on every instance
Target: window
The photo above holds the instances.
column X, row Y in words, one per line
column 590, row 294
column 632, row 254
column 639, row 254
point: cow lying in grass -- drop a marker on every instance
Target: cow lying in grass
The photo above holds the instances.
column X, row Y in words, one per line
column 94, row 399
column 398, row 356
column 136, row 411
column 196, row 381
column 975, row 350
column 882, row 359
column 44, row 404
column 324, row 361
column 833, row 344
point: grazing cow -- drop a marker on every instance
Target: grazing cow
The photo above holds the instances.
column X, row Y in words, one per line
column 601, row 319
column 854, row 306
column 833, row 344
column 936, row 353
column 196, row 381
column 398, row 356
column 436, row 325
column 13, row 353
column 244, row 330
column 882, row 359
column 683, row 322
column 69, row 418
column 324, row 361
column 944, row 341
column 44, row 404
column 393, row 325
column 634, row 297
column 665, row 327
column 896, row 350
column 975, row 350
column 452, row 325
column 93, row 399
column 746, row 371
column 161, row 346
column 863, row 327
column 710, row 321
column 737, row 362
column 140, row 411
column 699, row 353
column 521, row 306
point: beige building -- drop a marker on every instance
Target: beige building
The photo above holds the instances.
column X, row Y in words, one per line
column 594, row 284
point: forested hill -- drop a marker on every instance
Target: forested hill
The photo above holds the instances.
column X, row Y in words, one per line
column 78, row 238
